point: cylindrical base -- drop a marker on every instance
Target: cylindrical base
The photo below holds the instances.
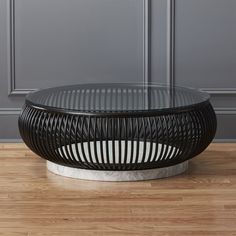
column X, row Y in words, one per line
column 133, row 175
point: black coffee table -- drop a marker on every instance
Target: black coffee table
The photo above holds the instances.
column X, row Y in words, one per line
column 117, row 132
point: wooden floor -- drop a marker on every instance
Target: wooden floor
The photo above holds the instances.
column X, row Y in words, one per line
column 199, row 202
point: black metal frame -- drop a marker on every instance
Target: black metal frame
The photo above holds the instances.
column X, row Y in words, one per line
column 181, row 133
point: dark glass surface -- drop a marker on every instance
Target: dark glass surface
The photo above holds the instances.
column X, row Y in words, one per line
column 116, row 97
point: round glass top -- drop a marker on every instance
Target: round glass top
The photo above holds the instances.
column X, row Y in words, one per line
column 95, row 98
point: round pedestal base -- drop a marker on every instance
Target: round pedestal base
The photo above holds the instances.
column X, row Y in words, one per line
column 133, row 175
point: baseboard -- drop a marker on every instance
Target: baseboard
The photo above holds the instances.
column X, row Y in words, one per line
column 226, row 140
column 12, row 140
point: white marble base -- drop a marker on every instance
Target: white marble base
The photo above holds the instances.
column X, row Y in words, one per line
column 117, row 175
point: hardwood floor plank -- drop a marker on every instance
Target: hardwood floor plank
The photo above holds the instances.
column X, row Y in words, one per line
column 35, row 202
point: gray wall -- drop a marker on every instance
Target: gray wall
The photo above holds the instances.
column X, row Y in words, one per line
column 44, row 43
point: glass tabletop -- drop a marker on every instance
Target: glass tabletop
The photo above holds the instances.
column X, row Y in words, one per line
column 116, row 97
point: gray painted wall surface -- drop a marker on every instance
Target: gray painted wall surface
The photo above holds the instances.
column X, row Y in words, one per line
column 185, row 42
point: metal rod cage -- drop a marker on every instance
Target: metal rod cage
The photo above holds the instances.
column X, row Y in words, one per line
column 122, row 140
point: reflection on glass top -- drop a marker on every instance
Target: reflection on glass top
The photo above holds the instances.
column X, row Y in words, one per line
column 116, row 97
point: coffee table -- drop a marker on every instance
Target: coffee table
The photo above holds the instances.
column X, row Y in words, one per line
column 117, row 132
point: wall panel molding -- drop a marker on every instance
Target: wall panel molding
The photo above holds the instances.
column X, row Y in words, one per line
column 10, row 111
column 225, row 111
column 170, row 64
column 146, row 41
column 13, row 90
column 171, row 22
column 217, row 91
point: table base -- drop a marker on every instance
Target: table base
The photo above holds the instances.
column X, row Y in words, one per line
column 133, row 175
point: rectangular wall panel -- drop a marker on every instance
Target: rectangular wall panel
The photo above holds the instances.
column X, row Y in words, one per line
column 61, row 42
column 205, row 39
column 52, row 43
column 205, row 55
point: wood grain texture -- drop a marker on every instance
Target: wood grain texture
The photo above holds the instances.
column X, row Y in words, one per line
column 34, row 202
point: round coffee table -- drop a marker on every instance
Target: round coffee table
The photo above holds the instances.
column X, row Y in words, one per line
column 117, row 132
